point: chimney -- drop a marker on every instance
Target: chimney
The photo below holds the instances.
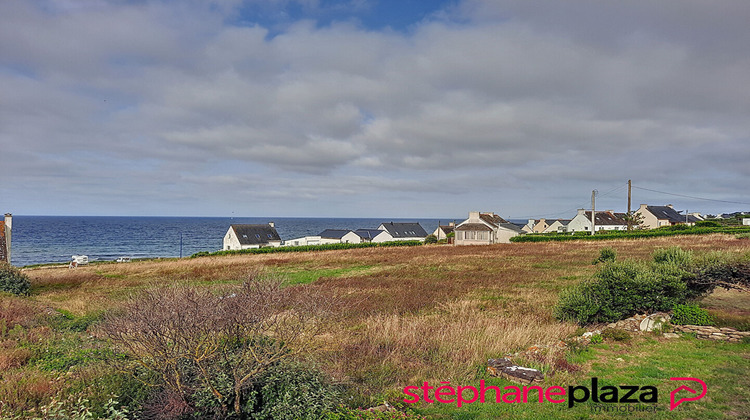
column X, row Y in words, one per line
column 670, row 206
column 581, row 212
column 452, row 224
column 272, row 224
column 473, row 215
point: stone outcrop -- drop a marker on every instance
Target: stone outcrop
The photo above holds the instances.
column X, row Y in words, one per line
column 713, row 333
column 506, row 369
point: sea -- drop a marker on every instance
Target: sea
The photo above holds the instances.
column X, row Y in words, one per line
column 55, row 239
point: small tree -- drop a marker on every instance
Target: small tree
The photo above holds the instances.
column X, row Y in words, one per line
column 634, row 220
column 204, row 343
column 430, row 239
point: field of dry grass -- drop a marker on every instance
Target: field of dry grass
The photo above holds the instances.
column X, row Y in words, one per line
column 407, row 314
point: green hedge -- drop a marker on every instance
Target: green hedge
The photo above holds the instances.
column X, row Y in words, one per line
column 308, row 248
column 633, row 234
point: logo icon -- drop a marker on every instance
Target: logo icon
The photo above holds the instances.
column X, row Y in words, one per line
column 674, row 404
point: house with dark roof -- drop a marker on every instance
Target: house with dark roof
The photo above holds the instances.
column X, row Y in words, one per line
column 558, row 226
column 401, row 231
column 604, row 220
column 658, row 216
column 373, row 235
column 334, row 236
column 251, row 236
column 443, row 231
column 485, row 229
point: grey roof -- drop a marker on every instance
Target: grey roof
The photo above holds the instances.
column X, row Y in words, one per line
column 605, row 218
column 492, row 218
column 473, row 227
column 511, row 226
column 668, row 213
column 405, row 230
column 255, row 234
column 368, row 233
column 334, row 233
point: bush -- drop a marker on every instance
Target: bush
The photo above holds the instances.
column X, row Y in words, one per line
column 691, row 315
column 606, row 255
column 430, row 239
column 293, row 391
column 673, row 255
column 707, row 223
column 12, row 280
column 620, row 290
column 616, row 334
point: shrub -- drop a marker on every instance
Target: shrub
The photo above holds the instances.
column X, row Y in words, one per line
column 12, row 280
column 597, row 339
column 208, row 348
column 616, row 334
column 691, row 315
column 293, row 391
column 430, row 239
column 622, row 289
column 606, row 255
column 707, row 223
column 673, row 255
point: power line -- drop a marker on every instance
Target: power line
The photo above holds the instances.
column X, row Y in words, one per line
column 690, row 196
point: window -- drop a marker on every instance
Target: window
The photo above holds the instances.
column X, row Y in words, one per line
column 257, row 236
column 270, row 236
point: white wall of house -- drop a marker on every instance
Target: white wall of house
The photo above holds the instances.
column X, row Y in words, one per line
column 473, row 237
column 503, row 235
column 384, row 236
column 649, row 220
column 746, row 221
column 303, row 241
column 351, row 238
column 580, row 223
column 325, row 241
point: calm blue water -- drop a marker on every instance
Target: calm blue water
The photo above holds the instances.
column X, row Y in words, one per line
column 47, row 239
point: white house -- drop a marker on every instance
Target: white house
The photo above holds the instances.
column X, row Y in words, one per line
column 658, row 216
column 251, row 236
column 305, row 240
column 402, row 231
column 373, row 235
column 559, row 226
column 605, row 220
column 336, row 236
column 443, row 231
column 485, row 229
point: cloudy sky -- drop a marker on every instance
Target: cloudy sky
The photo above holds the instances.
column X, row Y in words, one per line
column 372, row 108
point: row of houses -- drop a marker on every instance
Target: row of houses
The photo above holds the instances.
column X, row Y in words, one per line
column 256, row 236
column 478, row 229
column 650, row 217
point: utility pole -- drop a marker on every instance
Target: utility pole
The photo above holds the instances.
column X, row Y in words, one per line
column 593, row 212
column 630, row 222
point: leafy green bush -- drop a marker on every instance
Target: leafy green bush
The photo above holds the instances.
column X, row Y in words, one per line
column 691, row 314
column 707, row 223
column 430, row 239
column 597, row 339
column 622, row 289
column 12, row 280
column 293, row 391
column 606, row 255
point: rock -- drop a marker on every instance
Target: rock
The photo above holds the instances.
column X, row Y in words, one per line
column 670, row 335
column 620, row 359
column 654, row 321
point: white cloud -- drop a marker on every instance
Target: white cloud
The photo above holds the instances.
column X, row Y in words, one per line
column 561, row 94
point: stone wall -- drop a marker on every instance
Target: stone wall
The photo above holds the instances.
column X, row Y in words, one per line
column 713, row 333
